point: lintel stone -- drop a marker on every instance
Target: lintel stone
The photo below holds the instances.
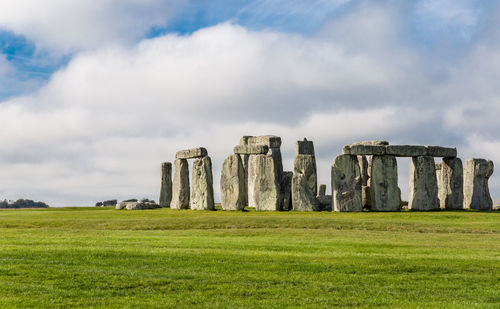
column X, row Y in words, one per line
column 191, row 153
column 270, row 141
column 250, row 149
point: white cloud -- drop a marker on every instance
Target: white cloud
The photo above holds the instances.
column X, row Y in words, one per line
column 69, row 25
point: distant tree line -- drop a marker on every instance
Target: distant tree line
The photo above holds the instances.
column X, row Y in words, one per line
column 22, row 203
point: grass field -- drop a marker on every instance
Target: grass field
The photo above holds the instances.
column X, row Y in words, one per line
column 99, row 257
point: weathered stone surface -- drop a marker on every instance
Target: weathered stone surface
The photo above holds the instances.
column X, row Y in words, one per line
column 287, row 190
column 325, row 202
column 304, row 184
column 244, row 161
column 166, row 185
column 438, row 151
column 304, row 147
column 361, row 150
column 180, row 188
column 322, row 190
column 476, row 190
column 232, row 184
column 202, row 191
column 423, row 184
column 191, row 153
column 346, row 184
column 372, row 143
column 250, row 149
column 450, row 184
column 264, row 182
column 131, row 205
column 384, row 194
column 142, row 205
column 121, row 205
column 406, row 150
column 244, row 140
column 365, row 197
column 270, row 141
column 438, row 166
column 363, row 166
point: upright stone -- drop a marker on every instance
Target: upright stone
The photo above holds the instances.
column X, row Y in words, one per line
column 244, row 161
column 363, row 165
column 346, row 183
column 304, row 184
column 476, row 191
column 423, row 184
column 180, row 189
column 202, row 193
column 166, row 185
column 287, row 190
column 451, row 196
column 322, row 190
column 384, row 194
column 264, row 187
column 232, row 184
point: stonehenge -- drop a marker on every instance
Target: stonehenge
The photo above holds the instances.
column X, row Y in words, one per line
column 364, row 176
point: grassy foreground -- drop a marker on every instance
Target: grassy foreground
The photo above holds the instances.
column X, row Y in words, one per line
column 99, row 257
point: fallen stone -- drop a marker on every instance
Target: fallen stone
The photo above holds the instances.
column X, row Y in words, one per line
column 438, row 151
column 232, row 184
column 270, row 141
column 180, row 187
column 384, row 195
column 166, row 185
column 304, row 184
column 191, row 153
column 476, row 190
column 322, row 190
column 346, row 183
column 109, row 203
column 287, row 190
column 121, row 205
column 202, row 191
column 304, row 147
column 451, row 196
column 423, row 184
column 406, row 150
column 250, row 149
column 361, row 150
column 131, row 205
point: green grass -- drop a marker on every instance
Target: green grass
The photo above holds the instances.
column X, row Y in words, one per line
column 99, row 257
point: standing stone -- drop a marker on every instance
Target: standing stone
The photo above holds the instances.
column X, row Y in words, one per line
column 346, row 183
column 180, row 189
column 384, row 195
column 244, row 161
column 287, row 190
column 476, row 191
column 363, row 165
column 166, row 185
column 202, row 193
column 366, row 197
column 264, row 183
column 451, row 196
column 322, row 190
column 423, row 184
column 232, row 184
column 304, row 184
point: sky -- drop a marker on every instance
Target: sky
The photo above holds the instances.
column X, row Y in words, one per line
column 94, row 95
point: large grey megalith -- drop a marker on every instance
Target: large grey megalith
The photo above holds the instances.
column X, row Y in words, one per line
column 166, row 185
column 346, row 183
column 476, row 190
column 232, row 183
column 305, row 180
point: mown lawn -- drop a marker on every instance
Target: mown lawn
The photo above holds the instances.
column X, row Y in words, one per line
column 99, row 257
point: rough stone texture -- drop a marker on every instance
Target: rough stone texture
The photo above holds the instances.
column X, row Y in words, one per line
column 438, row 151
column 423, row 184
column 121, row 205
column 346, row 184
column 438, row 166
column 250, row 149
column 232, row 184
column 131, row 205
column 325, row 202
column 202, row 191
column 363, row 165
column 244, row 140
column 384, row 194
column 476, row 191
column 304, row 147
column 304, row 184
column 361, row 150
column 264, row 181
column 450, row 184
column 191, row 153
column 270, row 141
column 180, row 188
column 365, row 197
column 244, row 161
column 141, row 205
column 287, row 190
column 322, row 190
column 166, row 185
column 406, row 150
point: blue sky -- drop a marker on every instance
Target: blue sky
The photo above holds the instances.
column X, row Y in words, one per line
column 79, row 78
